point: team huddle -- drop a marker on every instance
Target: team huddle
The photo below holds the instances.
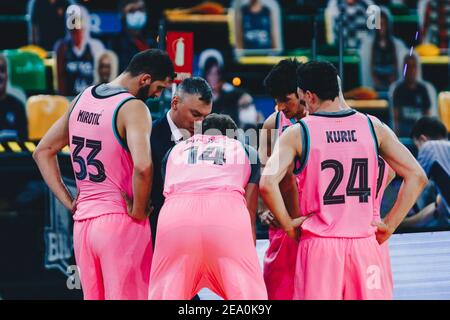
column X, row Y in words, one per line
column 321, row 169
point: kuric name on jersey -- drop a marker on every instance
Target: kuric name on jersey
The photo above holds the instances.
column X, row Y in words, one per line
column 341, row 136
column 89, row 117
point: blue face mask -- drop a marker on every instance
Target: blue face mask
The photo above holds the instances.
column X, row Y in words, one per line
column 136, row 20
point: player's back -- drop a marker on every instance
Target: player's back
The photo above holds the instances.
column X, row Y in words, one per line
column 339, row 178
column 205, row 163
column 101, row 161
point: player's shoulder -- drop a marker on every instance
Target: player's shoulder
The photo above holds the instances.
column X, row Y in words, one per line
column 375, row 122
column 271, row 121
column 133, row 103
column 133, row 109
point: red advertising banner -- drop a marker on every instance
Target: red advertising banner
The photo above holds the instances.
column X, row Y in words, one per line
column 180, row 47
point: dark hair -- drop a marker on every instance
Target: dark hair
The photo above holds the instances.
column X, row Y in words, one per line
column 152, row 61
column 319, row 77
column 390, row 44
column 220, row 122
column 281, row 80
column 409, row 57
column 211, row 62
column 430, row 127
column 197, row 86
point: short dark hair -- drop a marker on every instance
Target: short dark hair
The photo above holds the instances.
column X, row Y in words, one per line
column 281, row 80
column 197, row 86
column 220, row 122
column 209, row 64
column 319, row 77
column 152, row 61
column 430, row 127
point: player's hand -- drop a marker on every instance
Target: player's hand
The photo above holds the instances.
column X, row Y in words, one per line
column 267, row 218
column 293, row 231
column 136, row 215
column 383, row 232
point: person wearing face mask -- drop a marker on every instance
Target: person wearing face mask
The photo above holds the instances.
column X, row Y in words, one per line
column 133, row 37
column 248, row 114
column 75, row 54
column 108, row 127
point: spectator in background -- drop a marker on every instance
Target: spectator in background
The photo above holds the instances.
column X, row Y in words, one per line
column 13, row 119
column 75, row 54
column 48, row 22
column 384, row 62
column 436, row 23
column 106, row 66
column 431, row 139
column 258, row 24
column 133, row 37
column 249, row 117
column 227, row 99
column 354, row 20
column 239, row 105
column 381, row 56
column 411, row 98
column 431, row 209
column 211, row 69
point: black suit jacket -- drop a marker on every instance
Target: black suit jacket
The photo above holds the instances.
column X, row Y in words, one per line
column 161, row 142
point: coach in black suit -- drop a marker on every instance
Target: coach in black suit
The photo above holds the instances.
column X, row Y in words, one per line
column 191, row 103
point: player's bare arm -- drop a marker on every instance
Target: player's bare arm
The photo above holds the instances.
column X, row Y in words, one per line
column 45, row 155
column 135, row 123
column 286, row 148
column 288, row 184
column 405, row 165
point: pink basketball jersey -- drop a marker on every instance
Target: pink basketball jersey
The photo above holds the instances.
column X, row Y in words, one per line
column 101, row 161
column 339, row 178
column 204, row 163
column 282, row 123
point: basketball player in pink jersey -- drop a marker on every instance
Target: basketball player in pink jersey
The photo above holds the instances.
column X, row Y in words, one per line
column 339, row 255
column 107, row 128
column 205, row 237
column 279, row 260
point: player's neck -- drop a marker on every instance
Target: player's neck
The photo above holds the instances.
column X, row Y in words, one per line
column 124, row 81
column 331, row 106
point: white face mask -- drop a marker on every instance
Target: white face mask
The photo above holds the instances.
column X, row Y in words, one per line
column 248, row 115
column 136, row 20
